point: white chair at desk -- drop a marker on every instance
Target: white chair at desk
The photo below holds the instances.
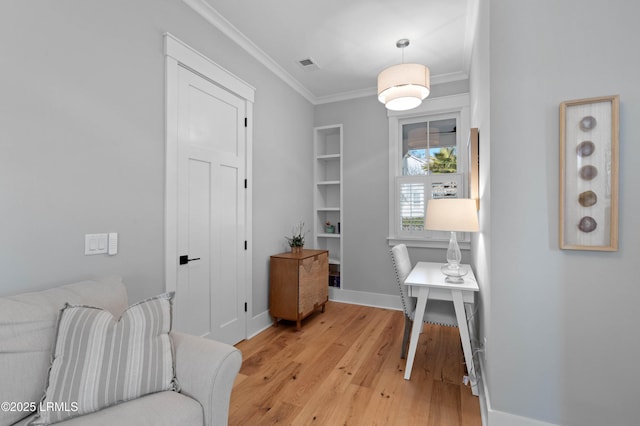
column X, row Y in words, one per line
column 426, row 281
column 440, row 312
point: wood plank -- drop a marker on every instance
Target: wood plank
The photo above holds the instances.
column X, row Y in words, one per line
column 351, row 406
column 249, row 406
column 446, row 409
column 337, row 381
column 470, row 407
column 344, row 367
column 400, row 401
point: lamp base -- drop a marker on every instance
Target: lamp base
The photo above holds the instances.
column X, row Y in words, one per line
column 454, row 273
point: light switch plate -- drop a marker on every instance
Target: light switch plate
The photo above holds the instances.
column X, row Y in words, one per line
column 95, row 244
column 113, row 243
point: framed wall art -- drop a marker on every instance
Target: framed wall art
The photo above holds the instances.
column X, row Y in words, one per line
column 474, row 166
column 589, row 173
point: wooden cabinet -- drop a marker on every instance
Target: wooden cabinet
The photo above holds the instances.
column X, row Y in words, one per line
column 298, row 284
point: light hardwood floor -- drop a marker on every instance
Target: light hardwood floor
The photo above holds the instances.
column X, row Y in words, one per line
column 344, row 368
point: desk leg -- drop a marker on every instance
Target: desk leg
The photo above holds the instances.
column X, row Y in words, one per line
column 461, row 316
column 423, row 295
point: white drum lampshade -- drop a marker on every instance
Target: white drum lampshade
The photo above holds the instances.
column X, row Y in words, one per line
column 404, row 86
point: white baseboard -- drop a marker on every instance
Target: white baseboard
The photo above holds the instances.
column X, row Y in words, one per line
column 258, row 324
column 491, row 417
column 500, row 418
column 376, row 300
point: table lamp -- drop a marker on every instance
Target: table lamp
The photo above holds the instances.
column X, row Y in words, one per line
column 454, row 215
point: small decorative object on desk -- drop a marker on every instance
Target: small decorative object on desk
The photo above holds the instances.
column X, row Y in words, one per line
column 329, row 228
column 296, row 240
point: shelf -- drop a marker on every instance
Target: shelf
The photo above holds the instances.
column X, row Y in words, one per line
column 328, row 193
column 328, row 157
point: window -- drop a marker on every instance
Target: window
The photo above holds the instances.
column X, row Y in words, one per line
column 427, row 160
column 429, row 146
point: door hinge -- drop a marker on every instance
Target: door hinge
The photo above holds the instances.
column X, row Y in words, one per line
column 245, row 244
column 245, row 184
column 245, row 306
column 245, row 122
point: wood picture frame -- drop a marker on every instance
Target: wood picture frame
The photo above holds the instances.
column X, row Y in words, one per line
column 473, row 145
column 589, row 159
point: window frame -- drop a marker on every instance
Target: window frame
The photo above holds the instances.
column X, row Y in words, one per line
column 430, row 110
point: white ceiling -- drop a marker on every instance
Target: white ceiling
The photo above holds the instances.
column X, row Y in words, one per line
column 351, row 41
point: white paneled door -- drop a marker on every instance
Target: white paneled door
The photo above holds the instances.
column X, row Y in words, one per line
column 210, row 299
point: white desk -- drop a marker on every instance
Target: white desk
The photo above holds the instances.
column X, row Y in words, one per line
column 426, row 280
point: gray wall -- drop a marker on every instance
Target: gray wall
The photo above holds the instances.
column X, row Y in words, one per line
column 82, row 141
column 367, row 264
column 563, row 337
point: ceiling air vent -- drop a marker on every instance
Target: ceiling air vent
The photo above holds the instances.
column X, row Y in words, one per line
column 308, row 64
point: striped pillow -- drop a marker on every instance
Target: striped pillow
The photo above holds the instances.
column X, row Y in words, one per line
column 100, row 361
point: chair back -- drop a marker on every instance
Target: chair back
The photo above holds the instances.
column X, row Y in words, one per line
column 402, row 266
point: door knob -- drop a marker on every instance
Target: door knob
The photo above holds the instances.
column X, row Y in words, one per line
column 184, row 259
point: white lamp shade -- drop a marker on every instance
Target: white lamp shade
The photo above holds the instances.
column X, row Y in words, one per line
column 452, row 214
column 403, row 86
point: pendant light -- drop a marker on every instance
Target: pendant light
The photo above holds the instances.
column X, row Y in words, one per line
column 404, row 86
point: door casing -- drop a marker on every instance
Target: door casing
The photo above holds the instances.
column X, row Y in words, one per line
column 178, row 54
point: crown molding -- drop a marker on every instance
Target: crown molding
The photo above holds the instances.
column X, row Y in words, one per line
column 345, row 96
column 448, row 78
column 472, row 22
column 212, row 16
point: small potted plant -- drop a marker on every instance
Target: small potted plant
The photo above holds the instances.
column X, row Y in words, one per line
column 329, row 228
column 296, row 240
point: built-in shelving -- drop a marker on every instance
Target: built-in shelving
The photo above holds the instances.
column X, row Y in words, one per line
column 328, row 196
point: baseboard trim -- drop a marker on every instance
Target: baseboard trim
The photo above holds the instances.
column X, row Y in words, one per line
column 500, row 418
column 483, row 393
column 375, row 300
column 258, row 324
